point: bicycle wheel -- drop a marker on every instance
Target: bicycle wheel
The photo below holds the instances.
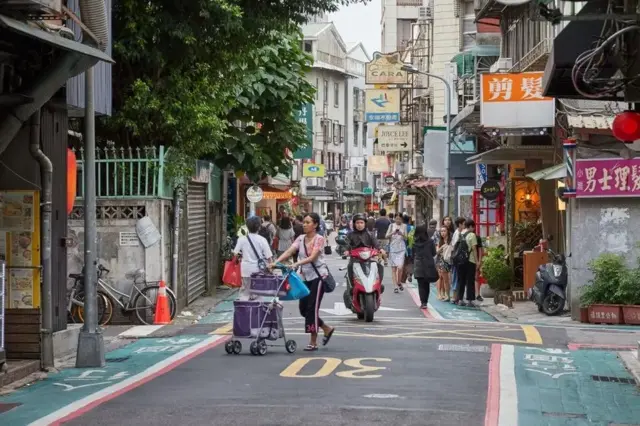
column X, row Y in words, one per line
column 144, row 304
column 104, row 304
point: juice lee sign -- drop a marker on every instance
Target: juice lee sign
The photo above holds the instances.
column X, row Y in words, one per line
column 611, row 177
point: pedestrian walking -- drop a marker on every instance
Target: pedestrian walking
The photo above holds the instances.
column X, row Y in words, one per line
column 424, row 268
column 382, row 226
column 443, row 263
column 285, row 235
column 459, row 224
column 467, row 269
column 255, row 253
column 407, row 271
column 313, row 268
column 397, row 235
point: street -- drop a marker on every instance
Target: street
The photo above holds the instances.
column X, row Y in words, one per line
column 407, row 367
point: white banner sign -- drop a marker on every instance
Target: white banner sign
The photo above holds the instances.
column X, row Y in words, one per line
column 395, row 138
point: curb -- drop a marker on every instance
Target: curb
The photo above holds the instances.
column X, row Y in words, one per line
column 632, row 364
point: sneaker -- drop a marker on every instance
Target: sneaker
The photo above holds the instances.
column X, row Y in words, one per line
column 424, row 306
column 401, row 288
column 479, row 299
column 396, row 290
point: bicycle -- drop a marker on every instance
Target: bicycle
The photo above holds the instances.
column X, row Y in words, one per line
column 75, row 303
column 137, row 300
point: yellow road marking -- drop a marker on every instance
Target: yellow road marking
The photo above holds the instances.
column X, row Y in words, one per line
column 293, row 370
column 329, row 366
column 225, row 329
column 532, row 335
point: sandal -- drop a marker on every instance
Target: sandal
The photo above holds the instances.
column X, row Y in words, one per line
column 311, row 348
column 327, row 337
column 396, row 290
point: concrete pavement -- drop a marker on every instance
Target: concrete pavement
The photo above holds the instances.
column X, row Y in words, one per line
column 406, row 368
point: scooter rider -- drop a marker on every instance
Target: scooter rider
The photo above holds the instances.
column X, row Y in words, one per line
column 358, row 238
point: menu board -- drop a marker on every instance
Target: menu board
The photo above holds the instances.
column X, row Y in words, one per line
column 20, row 246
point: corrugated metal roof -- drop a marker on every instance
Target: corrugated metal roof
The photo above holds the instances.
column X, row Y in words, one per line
column 314, row 30
column 590, row 121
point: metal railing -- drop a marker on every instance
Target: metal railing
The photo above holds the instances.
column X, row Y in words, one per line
column 330, row 59
column 356, row 67
column 410, row 2
column 125, row 172
column 537, row 52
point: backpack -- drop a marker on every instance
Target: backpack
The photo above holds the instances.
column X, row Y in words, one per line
column 264, row 232
column 460, row 254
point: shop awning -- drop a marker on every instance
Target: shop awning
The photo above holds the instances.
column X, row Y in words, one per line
column 277, row 180
column 559, row 171
column 52, row 38
column 424, row 183
column 513, row 154
column 271, row 193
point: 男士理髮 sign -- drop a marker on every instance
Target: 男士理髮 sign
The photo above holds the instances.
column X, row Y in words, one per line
column 609, row 177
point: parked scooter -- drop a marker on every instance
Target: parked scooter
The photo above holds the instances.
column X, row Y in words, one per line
column 364, row 289
column 549, row 291
column 341, row 241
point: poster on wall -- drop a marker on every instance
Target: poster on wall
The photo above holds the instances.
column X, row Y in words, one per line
column 20, row 246
column 465, row 201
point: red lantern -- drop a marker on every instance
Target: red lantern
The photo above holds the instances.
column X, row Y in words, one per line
column 72, row 179
column 626, row 126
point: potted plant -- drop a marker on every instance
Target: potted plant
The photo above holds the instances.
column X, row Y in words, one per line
column 629, row 293
column 496, row 271
column 602, row 296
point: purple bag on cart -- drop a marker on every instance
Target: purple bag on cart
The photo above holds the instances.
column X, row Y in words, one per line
column 248, row 316
column 266, row 284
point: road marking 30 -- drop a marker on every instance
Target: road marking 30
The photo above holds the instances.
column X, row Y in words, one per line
column 329, row 365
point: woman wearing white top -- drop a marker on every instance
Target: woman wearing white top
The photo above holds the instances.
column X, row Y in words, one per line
column 255, row 251
column 397, row 234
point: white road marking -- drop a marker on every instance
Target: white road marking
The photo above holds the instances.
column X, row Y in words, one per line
column 434, row 312
column 508, row 414
column 382, row 396
column 463, row 348
column 140, row 331
column 384, row 308
column 339, row 309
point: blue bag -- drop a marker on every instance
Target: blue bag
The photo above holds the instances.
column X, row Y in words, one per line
column 297, row 288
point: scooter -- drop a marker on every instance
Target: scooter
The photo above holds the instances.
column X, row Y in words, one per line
column 549, row 291
column 341, row 241
column 364, row 289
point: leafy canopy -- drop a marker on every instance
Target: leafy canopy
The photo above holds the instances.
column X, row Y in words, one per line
column 187, row 73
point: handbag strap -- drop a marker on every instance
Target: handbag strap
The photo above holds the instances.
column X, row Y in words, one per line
column 260, row 259
column 306, row 253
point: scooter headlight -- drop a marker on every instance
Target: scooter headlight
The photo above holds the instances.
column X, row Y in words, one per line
column 557, row 270
column 365, row 254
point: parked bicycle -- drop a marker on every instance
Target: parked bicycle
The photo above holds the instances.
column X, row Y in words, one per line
column 141, row 298
column 75, row 303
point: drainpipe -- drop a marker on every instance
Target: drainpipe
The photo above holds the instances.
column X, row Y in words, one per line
column 46, row 170
column 177, row 194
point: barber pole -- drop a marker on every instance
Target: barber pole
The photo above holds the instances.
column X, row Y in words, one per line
column 569, row 146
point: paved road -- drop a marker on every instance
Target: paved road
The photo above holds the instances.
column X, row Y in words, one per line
column 405, row 368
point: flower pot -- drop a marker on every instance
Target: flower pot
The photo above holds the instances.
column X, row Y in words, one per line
column 605, row 314
column 631, row 314
column 584, row 314
column 487, row 292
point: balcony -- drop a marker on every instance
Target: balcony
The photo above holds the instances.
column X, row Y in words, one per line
column 355, row 67
column 536, row 58
column 488, row 9
column 330, row 59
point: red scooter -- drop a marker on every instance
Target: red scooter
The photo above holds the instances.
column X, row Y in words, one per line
column 364, row 289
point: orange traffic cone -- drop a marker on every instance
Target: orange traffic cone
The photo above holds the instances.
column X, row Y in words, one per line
column 163, row 315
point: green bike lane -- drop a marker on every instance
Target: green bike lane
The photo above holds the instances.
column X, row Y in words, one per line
column 71, row 392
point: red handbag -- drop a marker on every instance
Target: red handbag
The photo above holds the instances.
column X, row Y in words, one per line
column 231, row 275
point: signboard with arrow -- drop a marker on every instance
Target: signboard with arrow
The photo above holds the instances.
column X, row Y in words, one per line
column 395, row 138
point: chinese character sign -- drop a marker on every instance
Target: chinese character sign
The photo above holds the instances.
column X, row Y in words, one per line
column 382, row 105
column 515, row 100
column 611, row 177
column 305, row 116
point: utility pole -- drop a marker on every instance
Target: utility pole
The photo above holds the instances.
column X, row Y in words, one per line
column 90, row 341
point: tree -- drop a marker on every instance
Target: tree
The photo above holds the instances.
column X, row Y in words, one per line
column 186, row 70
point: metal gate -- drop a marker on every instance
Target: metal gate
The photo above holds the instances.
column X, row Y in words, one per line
column 196, row 240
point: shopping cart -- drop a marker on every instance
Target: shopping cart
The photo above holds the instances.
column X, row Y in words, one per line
column 259, row 320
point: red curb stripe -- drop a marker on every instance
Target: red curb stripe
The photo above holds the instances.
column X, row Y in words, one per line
column 493, row 391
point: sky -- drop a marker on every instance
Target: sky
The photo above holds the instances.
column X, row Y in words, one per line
column 360, row 22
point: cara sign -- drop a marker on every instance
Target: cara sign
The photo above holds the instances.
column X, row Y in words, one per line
column 385, row 69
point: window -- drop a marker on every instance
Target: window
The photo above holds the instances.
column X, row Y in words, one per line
column 308, row 46
column 356, row 131
column 336, row 133
column 356, row 98
column 325, row 92
column 364, row 135
column 336, row 95
column 317, row 89
column 339, row 162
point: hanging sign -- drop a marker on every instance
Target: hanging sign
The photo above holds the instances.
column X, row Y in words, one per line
column 389, row 180
column 385, row 69
column 490, row 190
column 255, row 194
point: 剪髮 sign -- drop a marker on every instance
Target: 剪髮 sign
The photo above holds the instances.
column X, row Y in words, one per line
column 395, row 138
column 385, row 69
column 382, row 106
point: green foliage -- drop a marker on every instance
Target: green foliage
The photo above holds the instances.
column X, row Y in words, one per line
column 495, row 269
column 185, row 71
column 613, row 282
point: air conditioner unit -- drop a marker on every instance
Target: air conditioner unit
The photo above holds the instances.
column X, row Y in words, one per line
column 32, row 7
column 424, row 12
column 312, row 181
column 501, row 65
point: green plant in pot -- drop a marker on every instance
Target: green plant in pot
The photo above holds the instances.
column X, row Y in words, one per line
column 607, row 290
column 496, row 271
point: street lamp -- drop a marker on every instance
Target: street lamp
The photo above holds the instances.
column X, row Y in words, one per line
column 447, row 106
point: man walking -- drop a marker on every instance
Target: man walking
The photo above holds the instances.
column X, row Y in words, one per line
column 467, row 269
column 382, row 226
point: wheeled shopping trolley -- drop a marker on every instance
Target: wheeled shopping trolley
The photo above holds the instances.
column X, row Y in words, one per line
column 260, row 321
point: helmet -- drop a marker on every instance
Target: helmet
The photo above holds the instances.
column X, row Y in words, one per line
column 357, row 217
